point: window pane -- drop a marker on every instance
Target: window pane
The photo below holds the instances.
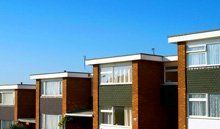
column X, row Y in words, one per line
column 196, row 48
column 119, row 116
column 52, row 87
column 6, row 124
column 171, row 77
column 197, row 108
column 197, row 96
column 107, row 75
column 0, row 98
column 8, row 98
column 106, row 118
column 214, row 105
column 50, row 121
column 196, row 59
column 128, row 116
column 214, row 54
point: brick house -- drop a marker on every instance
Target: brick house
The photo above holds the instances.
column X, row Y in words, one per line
column 136, row 91
column 198, row 79
column 63, row 95
column 17, row 104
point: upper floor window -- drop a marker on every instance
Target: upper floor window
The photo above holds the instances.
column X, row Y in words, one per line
column 201, row 55
column 51, row 87
column 7, row 98
column 170, row 74
column 116, row 74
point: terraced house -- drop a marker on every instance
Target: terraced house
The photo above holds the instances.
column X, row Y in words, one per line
column 136, row 91
column 17, row 104
column 63, row 96
column 199, row 79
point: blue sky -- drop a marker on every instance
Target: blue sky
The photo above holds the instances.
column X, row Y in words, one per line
column 38, row 36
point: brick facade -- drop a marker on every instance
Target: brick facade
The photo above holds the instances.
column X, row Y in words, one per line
column 146, row 107
column 95, row 93
column 24, row 104
column 182, row 102
column 38, row 93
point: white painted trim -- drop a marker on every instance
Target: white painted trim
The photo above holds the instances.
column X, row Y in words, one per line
column 195, row 36
column 59, row 75
column 16, row 86
column 79, row 115
column 124, row 59
column 170, row 58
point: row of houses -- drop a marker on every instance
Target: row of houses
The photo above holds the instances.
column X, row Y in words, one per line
column 138, row 91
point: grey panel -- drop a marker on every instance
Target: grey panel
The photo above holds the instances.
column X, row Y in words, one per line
column 51, row 106
column 6, row 112
column 115, row 95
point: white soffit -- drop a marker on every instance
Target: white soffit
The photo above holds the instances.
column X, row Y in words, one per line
column 124, row 59
column 60, row 75
column 17, row 86
column 170, row 58
column 194, row 36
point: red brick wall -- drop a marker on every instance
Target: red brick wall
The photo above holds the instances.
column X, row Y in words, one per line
column 38, row 93
column 77, row 96
column 24, row 104
column 95, row 92
column 182, row 124
column 146, row 102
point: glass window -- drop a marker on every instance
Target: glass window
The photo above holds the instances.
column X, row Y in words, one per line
column 171, row 74
column 196, row 48
column 6, row 124
column 7, row 98
column 214, row 105
column 197, row 105
column 196, row 59
column 213, row 54
column 119, row 73
column 116, row 116
column 50, row 121
column 51, row 87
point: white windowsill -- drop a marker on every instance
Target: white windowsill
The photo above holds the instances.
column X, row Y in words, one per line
column 194, row 66
column 204, row 117
column 5, row 105
column 110, row 125
column 51, row 96
column 129, row 83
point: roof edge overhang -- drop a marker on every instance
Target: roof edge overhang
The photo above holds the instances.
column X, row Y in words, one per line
column 194, row 36
column 17, row 86
column 60, row 75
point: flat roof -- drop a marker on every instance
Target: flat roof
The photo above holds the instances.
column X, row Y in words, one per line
column 17, row 86
column 60, row 75
column 194, row 36
column 130, row 57
column 80, row 114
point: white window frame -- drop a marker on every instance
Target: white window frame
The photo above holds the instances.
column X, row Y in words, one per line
column 198, row 100
column 7, row 92
column 169, row 70
column 44, row 116
column 52, row 96
column 112, row 66
column 7, row 121
column 201, row 51
column 112, row 110
column 108, row 111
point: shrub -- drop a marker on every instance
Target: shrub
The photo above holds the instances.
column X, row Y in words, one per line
column 17, row 126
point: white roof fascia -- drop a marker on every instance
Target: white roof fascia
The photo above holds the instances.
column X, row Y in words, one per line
column 195, row 36
column 59, row 75
column 13, row 87
column 124, row 59
column 170, row 58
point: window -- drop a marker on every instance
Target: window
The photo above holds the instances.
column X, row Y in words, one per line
column 116, row 74
column 7, row 98
column 51, row 87
column 197, row 104
column 121, row 116
column 204, row 105
column 201, row 55
column 50, row 121
column 6, row 124
column 170, row 74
